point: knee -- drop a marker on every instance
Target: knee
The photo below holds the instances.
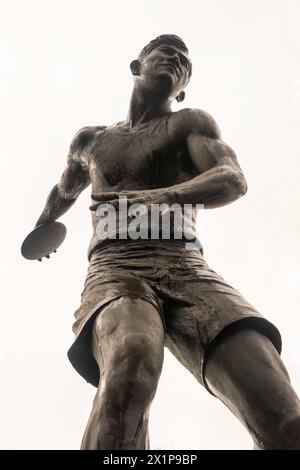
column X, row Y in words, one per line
column 138, row 350
column 284, row 435
column 289, row 434
column 136, row 355
column 134, row 367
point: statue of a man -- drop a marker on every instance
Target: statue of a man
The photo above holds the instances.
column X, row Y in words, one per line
column 143, row 294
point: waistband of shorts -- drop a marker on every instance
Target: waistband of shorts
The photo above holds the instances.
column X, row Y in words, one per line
column 135, row 245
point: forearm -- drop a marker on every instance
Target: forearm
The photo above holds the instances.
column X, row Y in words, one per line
column 214, row 188
column 55, row 207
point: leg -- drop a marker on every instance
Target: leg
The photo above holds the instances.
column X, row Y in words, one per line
column 245, row 371
column 128, row 344
column 210, row 324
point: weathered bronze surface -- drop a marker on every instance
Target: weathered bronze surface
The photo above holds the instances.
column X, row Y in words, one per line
column 142, row 295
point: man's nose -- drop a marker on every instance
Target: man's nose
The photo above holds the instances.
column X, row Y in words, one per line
column 174, row 60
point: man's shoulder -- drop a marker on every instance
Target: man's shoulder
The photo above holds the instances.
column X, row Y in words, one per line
column 194, row 120
column 80, row 142
column 84, row 136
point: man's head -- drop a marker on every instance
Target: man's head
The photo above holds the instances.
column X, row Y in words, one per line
column 165, row 64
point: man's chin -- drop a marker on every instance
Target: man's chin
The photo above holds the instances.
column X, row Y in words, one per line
column 166, row 80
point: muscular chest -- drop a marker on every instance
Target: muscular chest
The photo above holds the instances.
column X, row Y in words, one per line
column 142, row 159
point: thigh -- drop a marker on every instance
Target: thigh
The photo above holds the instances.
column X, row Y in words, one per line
column 201, row 311
column 128, row 327
column 244, row 370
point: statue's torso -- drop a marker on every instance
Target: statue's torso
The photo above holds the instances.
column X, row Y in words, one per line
column 120, row 158
column 152, row 156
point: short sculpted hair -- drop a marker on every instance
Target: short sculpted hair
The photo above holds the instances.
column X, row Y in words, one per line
column 168, row 39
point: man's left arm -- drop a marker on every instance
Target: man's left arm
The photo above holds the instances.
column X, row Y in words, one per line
column 220, row 180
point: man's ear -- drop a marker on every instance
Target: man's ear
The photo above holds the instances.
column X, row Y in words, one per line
column 180, row 97
column 135, row 67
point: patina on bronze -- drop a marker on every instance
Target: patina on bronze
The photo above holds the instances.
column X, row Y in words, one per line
column 142, row 295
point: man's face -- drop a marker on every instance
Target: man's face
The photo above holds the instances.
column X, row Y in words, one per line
column 168, row 64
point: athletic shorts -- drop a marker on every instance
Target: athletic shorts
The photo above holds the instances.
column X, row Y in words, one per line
column 195, row 304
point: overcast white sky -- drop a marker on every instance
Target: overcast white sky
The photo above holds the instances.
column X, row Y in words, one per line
column 64, row 65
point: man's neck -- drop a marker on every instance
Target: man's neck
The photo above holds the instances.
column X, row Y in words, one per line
column 145, row 106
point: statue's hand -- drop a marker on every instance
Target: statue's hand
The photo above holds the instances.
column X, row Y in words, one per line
column 38, row 244
column 38, row 224
column 43, row 222
column 144, row 197
column 47, row 256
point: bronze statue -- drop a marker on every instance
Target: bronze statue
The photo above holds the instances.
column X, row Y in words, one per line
column 143, row 294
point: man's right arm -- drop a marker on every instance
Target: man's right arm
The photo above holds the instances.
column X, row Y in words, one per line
column 73, row 181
